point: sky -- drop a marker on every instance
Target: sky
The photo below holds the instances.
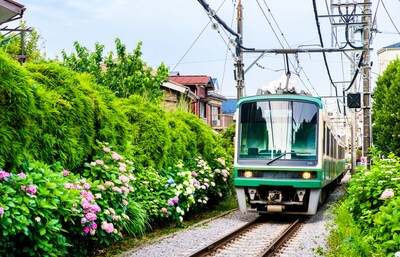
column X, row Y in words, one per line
column 179, row 34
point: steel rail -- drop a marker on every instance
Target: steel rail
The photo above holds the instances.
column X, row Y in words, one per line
column 272, row 249
column 217, row 244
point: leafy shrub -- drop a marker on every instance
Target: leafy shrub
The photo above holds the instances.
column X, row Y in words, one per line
column 35, row 210
column 48, row 211
column 368, row 220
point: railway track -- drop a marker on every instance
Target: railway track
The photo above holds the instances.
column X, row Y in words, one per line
column 260, row 237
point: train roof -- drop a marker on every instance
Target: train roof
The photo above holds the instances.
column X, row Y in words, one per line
column 296, row 97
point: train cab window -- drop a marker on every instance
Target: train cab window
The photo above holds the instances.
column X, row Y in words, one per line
column 278, row 129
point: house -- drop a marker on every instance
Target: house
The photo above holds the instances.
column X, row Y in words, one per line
column 386, row 55
column 208, row 106
column 177, row 96
column 229, row 110
column 10, row 11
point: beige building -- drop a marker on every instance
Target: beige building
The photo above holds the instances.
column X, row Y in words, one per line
column 386, row 55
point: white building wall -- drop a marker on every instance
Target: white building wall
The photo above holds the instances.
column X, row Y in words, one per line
column 385, row 56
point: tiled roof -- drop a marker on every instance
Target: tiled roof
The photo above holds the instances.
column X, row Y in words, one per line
column 192, row 80
column 397, row 45
column 216, row 95
column 229, row 106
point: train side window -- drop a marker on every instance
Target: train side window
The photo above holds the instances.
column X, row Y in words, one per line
column 324, row 137
column 328, row 142
column 334, row 147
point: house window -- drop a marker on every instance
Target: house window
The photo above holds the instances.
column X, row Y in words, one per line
column 202, row 110
column 215, row 112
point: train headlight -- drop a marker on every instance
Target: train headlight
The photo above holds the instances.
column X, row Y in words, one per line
column 306, row 175
column 248, row 174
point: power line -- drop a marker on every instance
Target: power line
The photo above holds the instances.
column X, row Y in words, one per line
column 299, row 68
column 227, row 49
column 394, row 25
column 197, row 38
column 323, row 53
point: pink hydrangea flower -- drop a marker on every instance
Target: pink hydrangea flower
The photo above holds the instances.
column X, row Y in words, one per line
column 87, row 186
column 388, row 193
column 38, row 219
column 101, row 187
column 68, row 185
column 65, row 173
column 123, row 169
column 4, row 174
column 124, row 178
column 124, row 202
column 90, row 197
column 105, row 167
column 106, row 149
column 91, row 216
column 125, row 190
column 22, row 175
column 85, row 203
column 107, row 227
column 163, row 209
column 86, row 229
column 116, row 156
column 194, row 174
column 83, row 220
column 117, row 189
column 93, row 163
column 176, row 199
column 121, row 164
column 109, row 183
column 30, row 189
column 1, row 210
column 95, row 208
column 100, row 162
column 170, row 203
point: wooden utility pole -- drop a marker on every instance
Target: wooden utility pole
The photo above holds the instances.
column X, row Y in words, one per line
column 367, row 83
column 239, row 76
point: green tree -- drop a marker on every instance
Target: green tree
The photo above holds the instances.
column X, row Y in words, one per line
column 125, row 74
column 11, row 43
column 386, row 110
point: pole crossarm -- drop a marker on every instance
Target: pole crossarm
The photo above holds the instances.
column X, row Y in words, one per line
column 300, row 50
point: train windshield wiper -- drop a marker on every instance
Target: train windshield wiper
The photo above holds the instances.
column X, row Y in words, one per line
column 279, row 156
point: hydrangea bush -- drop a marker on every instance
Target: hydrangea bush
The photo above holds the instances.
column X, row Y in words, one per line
column 49, row 211
column 372, row 208
column 35, row 210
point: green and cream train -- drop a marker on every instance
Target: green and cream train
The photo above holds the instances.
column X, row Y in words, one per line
column 287, row 155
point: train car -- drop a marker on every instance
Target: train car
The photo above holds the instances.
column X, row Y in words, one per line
column 287, row 155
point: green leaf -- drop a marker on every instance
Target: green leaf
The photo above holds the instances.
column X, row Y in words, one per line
column 42, row 231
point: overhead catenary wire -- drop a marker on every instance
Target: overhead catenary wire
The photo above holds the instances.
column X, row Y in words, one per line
column 227, row 49
column 390, row 17
column 300, row 68
column 323, row 53
column 195, row 41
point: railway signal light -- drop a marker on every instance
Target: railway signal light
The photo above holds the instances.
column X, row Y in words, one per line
column 354, row 100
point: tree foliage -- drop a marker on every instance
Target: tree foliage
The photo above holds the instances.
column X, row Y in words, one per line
column 125, row 74
column 11, row 43
column 386, row 110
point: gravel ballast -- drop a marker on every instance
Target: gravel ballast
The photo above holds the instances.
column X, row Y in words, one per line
column 310, row 241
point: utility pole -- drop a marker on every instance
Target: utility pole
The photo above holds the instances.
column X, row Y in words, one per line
column 239, row 74
column 367, row 83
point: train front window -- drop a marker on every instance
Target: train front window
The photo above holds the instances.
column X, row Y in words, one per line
column 284, row 130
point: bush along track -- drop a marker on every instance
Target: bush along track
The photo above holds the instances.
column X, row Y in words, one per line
column 367, row 221
column 65, row 191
